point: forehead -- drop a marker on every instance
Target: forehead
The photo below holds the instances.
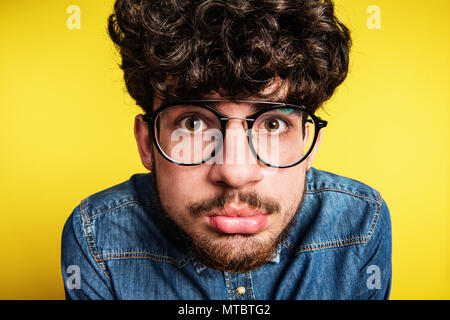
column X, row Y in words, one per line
column 243, row 106
column 235, row 106
column 275, row 91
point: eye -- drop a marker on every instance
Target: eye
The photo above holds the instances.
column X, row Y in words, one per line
column 274, row 125
column 193, row 123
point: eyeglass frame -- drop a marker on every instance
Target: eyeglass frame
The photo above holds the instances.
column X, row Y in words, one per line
column 223, row 118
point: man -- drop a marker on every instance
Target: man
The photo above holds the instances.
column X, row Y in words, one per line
column 231, row 208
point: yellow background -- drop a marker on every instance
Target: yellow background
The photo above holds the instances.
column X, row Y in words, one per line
column 66, row 131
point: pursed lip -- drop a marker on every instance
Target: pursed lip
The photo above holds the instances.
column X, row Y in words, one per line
column 236, row 210
column 237, row 219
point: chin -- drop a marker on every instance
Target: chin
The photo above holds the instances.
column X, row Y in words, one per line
column 234, row 252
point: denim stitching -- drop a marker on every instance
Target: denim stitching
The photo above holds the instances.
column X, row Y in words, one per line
column 248, row 287
column 334, row 241
column 143, row 255
column 328, row 244
column 343, row 191
column 137, row 253
column 287, row 244
column 377, row 216
column 230, row 287
column 114, row 208
column 140, row 255
column 90, row 238
column 333, row 244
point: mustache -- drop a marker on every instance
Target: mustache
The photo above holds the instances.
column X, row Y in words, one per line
column 251, row 198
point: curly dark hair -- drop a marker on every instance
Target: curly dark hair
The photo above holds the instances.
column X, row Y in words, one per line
column 185, row 49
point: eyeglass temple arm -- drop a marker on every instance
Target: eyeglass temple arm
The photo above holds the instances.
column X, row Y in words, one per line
column 320, row 123
column 147, row 117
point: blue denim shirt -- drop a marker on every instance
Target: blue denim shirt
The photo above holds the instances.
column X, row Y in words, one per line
column 115, row 245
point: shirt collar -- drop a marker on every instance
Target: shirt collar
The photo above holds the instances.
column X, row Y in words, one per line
column 200, row 267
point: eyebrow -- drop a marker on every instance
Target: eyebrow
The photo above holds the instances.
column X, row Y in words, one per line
column 254, row 106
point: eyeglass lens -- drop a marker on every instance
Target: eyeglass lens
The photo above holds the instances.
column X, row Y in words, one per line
column 190, row 134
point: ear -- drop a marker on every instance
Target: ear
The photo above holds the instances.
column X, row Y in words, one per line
column 144, row 141
column 313, row 152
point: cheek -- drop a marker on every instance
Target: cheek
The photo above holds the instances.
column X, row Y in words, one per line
column 286, row 182
column 176, row 185
column 287, row 188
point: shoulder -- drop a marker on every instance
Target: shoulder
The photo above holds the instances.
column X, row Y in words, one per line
column 319, row 181
column 130, row 192
column 112, row 207
column 121, row 221
column 338, row 211
column 117, row 209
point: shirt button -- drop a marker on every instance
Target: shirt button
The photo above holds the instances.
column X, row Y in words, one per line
column 240, row 291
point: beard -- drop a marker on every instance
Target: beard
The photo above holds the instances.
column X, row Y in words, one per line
column 235, row 253
column 239, row 253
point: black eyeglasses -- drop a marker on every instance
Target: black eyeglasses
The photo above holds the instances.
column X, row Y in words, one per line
column 279, row 135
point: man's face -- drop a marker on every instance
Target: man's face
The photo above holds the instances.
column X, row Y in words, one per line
column 235, row 213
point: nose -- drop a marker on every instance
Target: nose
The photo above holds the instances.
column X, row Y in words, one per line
column 234, row 165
